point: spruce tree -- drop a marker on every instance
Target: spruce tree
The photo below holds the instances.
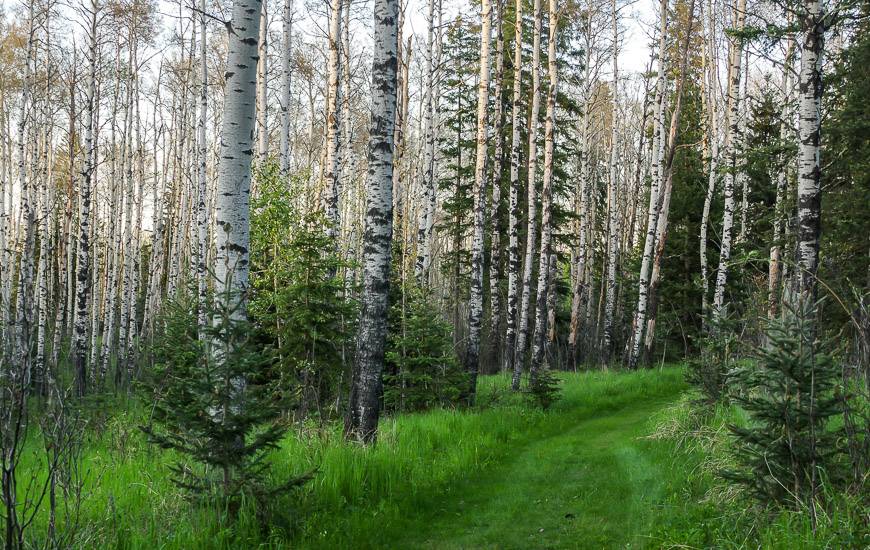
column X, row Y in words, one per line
column 790, row 394
column 222, row 429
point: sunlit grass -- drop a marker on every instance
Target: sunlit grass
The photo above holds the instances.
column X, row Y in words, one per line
column 358, row 493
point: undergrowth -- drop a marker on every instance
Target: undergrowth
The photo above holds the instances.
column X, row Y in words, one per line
column 358, row 493
column 704, row 510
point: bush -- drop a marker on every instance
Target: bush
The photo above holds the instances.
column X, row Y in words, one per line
column 214, row 402
column 422, row 370
column 789, row 446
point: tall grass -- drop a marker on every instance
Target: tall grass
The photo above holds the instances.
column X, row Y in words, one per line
column 703, row 510
column 358, row 495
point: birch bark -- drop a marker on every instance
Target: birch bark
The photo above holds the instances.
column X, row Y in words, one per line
column 544, row 274
column 362, row 420
column 531, row 233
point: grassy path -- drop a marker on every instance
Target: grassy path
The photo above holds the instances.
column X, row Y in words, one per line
column 592, row 486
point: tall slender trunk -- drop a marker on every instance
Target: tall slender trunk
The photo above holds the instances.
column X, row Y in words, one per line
column 202, row 182
column 475, row 305
column 427, row 215
column 495, row 313
column 331, row 171
column 713, row 135
column 287, row 77
column 86, row 181
column 613, row 199
column 513, row 264
column 263, row 85
column 655, row 190
column 232, row 204
column 667, row 177
column 809, row 192
column 731, row 140
column 580, row 289
column 531, row 234
column 544, row 274
column 362, row 419
column 781, row 176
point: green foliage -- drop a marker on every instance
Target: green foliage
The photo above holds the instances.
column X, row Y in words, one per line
column 298, row 300
column 214, row 401
column 719, row 350
column 422, row 370
column 703, row 510
column 789, row 445
column 544, row 388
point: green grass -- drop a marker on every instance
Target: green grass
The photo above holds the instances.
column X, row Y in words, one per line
column 360, row 497
column 502, row 475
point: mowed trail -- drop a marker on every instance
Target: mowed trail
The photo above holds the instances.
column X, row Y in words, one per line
column 592, row 486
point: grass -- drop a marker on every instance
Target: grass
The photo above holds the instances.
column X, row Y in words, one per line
column 584, row 474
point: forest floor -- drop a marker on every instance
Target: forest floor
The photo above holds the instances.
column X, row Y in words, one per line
column 582, row 475
column 595, row 485
column 502, row 475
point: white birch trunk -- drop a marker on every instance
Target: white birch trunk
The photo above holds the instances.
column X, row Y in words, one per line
column 495, row 313
column 287, row 78
column 331, row 171
column 613, row 210
column 731, row 140
column 655, row 189
column 544, row 274
column 531, row 234
column 362, row 419
column 513, row 264
column 475, row 306
column 262, row 86
column 232, row 205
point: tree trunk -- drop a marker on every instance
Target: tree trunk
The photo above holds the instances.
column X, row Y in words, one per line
column 544, row 275
column 495, row 313
column 655, row 190
column 287, row 72
column 232, row 204
column 531, row 236
column 362, row 419
column 331, row 170
column 781, row 176
column 809, row 191
column 513, row 265
column 262, row 85
column 427, row 213
column 475, row 306
column 613, row 210
column 731, row 139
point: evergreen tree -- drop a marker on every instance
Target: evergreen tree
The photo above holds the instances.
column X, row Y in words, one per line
column 789, row 446
column 223, row 430
column 297, row 301
column 422, row 370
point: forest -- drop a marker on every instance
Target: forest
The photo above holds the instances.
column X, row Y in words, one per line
column 434, row 274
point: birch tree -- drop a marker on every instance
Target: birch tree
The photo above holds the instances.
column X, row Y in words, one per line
column 655, row 189
column 545, row 275
column 809, row 193
column 262, row 85
column 286, row 81
column 531, row 233
column 475, row 309
column 231, row 227
column 730, row 145
column 426, row 220
column 495, row 313
column 513, row 264
column 612, row 186
column 362, row 419
column 331, row 169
